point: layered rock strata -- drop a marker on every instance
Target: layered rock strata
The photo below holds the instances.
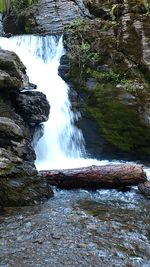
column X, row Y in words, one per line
column 45, row 17
column 20, row 183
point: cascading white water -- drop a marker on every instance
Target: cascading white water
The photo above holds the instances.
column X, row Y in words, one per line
column 62, row 145
column 1, row 24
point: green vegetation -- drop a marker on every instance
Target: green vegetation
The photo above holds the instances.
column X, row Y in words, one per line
column 15, row 5
column 120, row 125
column 19, row 5
column 113, row 11
column 93, row 55
column 2, row 5
column 147, row 7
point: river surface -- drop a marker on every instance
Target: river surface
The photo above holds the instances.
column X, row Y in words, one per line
column 78, row 228
column 75, row 228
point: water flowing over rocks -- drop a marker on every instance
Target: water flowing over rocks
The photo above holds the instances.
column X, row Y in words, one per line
column 78, row 228
column 20, row 183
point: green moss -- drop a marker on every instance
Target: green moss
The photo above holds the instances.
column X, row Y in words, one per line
column 27, row 27
column 19, row 5
column 2, row 5
column 105, row 76
column 119, row 124
column 94, row 53
column 7, row 169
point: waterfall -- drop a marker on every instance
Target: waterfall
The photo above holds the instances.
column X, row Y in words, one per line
column 62, row 145
column 1, row 24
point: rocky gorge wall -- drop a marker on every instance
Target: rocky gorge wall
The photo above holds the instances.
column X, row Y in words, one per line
column 108, row 64
column 20, row 112
column 44, row 17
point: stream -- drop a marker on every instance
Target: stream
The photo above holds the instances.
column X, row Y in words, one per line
column 76, row 228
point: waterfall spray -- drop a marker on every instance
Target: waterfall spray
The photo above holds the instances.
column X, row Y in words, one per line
column 62, row 145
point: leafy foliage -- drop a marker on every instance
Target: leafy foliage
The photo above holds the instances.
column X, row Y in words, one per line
column 2, row 5
column 16, row 5
column 21, row 4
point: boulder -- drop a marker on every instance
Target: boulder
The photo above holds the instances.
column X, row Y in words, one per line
column 12, row 71
column 9, row 129
column 32, row 106
column 145, row 188
column 7, row 81
column 21, row 185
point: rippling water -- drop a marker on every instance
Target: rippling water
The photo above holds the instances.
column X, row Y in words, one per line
column 78, row 228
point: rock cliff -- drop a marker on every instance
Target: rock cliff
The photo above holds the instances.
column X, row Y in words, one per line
column 45, row 17
column 108, row 64
column 20, row 183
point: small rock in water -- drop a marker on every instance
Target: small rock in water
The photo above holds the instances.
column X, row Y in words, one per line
column 92, row 226
column 55, row 236
column 28, row 225
column 145, row 188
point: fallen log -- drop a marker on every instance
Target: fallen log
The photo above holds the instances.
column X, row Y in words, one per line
column 93, row 177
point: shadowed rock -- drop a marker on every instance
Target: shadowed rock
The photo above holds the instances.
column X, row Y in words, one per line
column 20, row 183
column 32, row 106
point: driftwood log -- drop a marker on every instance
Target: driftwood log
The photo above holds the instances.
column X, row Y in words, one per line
column 93, row 177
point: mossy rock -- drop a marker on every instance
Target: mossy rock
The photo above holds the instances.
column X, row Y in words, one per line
column 111, row 55
column 119, row 123
column 19, row 20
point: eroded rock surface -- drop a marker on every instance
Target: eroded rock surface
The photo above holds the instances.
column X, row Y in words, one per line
column 46, row 17
column 20, row 183
column 12, row 71
column 32, row 106
column 107, row 63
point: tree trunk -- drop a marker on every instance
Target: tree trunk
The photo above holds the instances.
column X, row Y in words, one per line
column 107, row 176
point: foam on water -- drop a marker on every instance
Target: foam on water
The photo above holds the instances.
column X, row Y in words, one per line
column 62, row 145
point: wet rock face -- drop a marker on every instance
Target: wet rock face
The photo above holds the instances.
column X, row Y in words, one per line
column 46, row 17
column 12, row 71
column 10, row 129
column 109, row 67
column 20, row 183
column 32, row 106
